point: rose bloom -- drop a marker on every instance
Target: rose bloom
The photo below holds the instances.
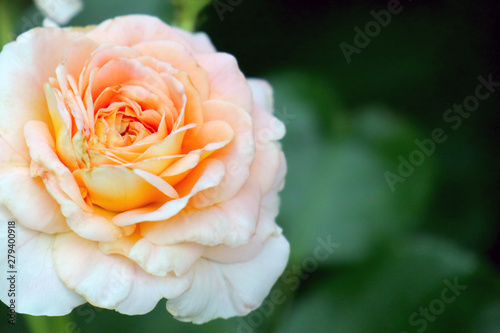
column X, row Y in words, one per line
column 59, row 11
column 138, row 164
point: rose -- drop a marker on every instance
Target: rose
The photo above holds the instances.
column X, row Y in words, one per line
column 60, row 11
column 138, row 164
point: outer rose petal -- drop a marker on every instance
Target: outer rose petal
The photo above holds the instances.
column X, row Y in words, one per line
column 160, row 260
column 104, row 280
column 44, row 214
column 133, row 29
column 266, row 165
column 39, row 290
column 267, row 130
column 220, row 290
column 199, row 41
column 76, row 56
column 266, row 228
column 9, row 157
column 279, row 181
column 232, row 222
column 147, row 290
column 110, row 281
column 28, row 63
column 262, row 94
column 269, row 208
column 227, row 82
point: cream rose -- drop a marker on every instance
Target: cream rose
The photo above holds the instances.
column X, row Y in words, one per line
column 138, row 164
column 60, row 11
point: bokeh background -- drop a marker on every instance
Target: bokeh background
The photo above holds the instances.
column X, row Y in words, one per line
column 394, row 252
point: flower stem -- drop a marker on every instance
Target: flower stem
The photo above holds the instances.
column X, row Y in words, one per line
column 44, row 324
column 6, row 30
column 37, row 324
column 187, row 12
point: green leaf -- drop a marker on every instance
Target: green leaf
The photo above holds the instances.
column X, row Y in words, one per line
column 96, row 11
column 187, row 12
column 92, row 319
column 388, row 292
column 6, row 29
column 336, row 185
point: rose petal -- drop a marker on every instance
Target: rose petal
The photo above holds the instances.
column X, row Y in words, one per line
column 147, row 290
column 193, row 112
column 267, row 130
column 41, row 146
column 104, row 280
column 91, row 226
column 213, row 135
column 62, row 186
column 9, row 157
column 237, row 155
column 28, row 64
column 179, row 57
column 39, row 291
column 122, row 245
column 155, row 165
column 110, row 281
column 266, row 165
column 232, row 222
column 123, row 71
column 262, row 94
column 44, row 214
column 61, row 121
column 266, row 228
column 158, row 183
column 161, row 260
column 206, row 175
column 223, row 291
column 100, row 57
column 199, row 41
column 171, row 145
column 269, row 127
column 134, row 29
column 227, row 82
column 77, row 54
column 279, row 180
column 117, row 188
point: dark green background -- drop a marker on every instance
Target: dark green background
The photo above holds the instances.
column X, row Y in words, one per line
column 347, row 125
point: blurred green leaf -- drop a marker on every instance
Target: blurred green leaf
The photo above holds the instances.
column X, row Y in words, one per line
column 384, row 293
column 187, row 12
column 87, row 318
column 488, row 320
column 96, row 11
column 6, row 29
column 336, row 185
